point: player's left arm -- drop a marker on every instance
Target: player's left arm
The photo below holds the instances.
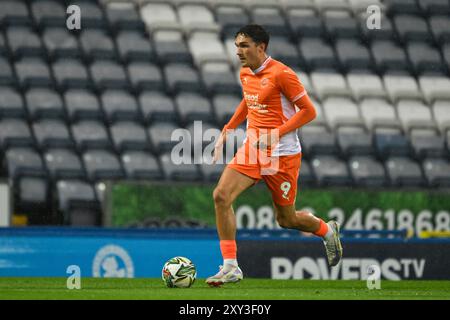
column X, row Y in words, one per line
column 293, row 89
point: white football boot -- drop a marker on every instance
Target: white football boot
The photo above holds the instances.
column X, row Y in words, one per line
column 333, row 245
column 230, row 274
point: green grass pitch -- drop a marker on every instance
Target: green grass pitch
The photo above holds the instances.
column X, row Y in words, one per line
column 249, row 289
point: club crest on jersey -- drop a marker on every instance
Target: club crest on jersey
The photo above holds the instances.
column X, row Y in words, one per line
column 264, row 82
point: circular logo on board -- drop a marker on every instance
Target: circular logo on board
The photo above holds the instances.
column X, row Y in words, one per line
column 112, row 261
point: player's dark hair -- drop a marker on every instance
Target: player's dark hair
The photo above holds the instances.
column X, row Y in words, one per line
column 256, row 32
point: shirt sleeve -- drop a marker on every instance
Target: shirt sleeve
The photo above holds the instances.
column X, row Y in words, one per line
column 290, row 85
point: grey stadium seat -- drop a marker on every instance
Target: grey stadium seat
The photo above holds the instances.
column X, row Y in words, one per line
column 141, row 165
column 160, row 135
column 231, row 18
column 341, row 111
column 340, row 24
column 271, row 18
column 70, row 73
column 434, row 7
column 317, row 54
column 391, row 141
column 128, row 135
column 378, row 112
column 411, row 28
column 365, row 86
column 441, row 113
column 413, row 114
column 283, row 50
column 96, row 44
column 144, row 75
column 398, row 87
column 14, row 12
column 181, row 77
column 224, row 106
column 32, row 72
column 402, row 6
column 60, row 43
column 108, row 75
column 6, row 72
column 14, row 132
column 367, row 172
column 101, row 164
column 427, row 143
column 122, row 15
column 437, row 172
column 440, row 28
column 48, row 13
column 32, row 194
column 90, row 134
column 44, row 103
column 353, row 55
column 11, row 103
column 180, row 172
column 156, row 15
column 424, row 58
column 354, row 141
column 191, row 106
column 52, row 134
column 92, row 15
column 82, row 104
column 218, row 78
column 156, row 106
column 305, row 23
column 206, row 46
column 119, row 105
column 329, row 84
column 404, row 172
column 317, row 139
column 170, row 46
column 78, row 202
column 23, row 161
column 24, row 42
column 133, row 45
column 63, row 164
column 435, row 88
column 329, row 170
column 395, row 60
column 386, row 31
column 195, row 16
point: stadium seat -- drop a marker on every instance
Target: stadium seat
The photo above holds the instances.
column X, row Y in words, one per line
column 411, row 28
column 340, row 24
column 89, row 134
column 424, row 58
column 156, row 15
column 122, row 15
column 195, row 16
column 391, row 142
column 63, row 164
column 78, row 203
column 70, row 73
column 218, row 78
column 329, row 170
column 378, row 112
column 367, row 172
column 437, row 172
column 156, row 106
column 14, row 132
column 404, row 172
column 170, row 46
column 101, row 164
column 441, row 113
column 365, row 86
column 305, row 23
column 96, row 44
column 427, row 143
column 92, row 15
column 60, row 43
column 320, row 116
column 128, row 135
column 179, row 172
column 206, row 46
column 360, row 6
column 402, row 7
column 160, row 134
column 108, row 75
column 6, row 73
column 181, row 77
column 306, row 82
column 354, row 140
column 401, row 86
column 224, row 106
column 48, row 13
column 283, row 50
column 145, row 75
column 295, row 4
column 353, row 55
column 440, row 28
column 413, row 114
column 52, row 134
column 32, row 72
column 231, row 18
column 119, row 105
column 316, row 139
column 11, row 103
column 317, row 54
column 434, row 7
column 271, row 18
column 395, row 60
column 33, row 195
column 24, row 42
column 44, row 103
column 341, row 111
column 329, row 84
column 133, row 45
column 385, row 32
column 81, row 104
column 435, row 88
column 13, row 12
column 141, row 165
column 23, row 162
column 191, row 106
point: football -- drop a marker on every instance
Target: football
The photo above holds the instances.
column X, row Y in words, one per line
column 179, row 272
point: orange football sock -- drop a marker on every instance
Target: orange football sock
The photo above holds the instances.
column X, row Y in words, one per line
column 228, row 248
column 323, row 229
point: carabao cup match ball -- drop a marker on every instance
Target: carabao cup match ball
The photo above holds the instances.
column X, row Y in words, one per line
column 179, row 272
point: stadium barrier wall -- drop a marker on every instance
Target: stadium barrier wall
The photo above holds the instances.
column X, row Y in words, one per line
column 141, row 253
column 183, row 205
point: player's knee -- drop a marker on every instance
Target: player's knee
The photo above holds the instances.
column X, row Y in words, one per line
column 221, row 198
column 284, row 222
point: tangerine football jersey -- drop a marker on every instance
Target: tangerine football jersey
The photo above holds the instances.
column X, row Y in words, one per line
column 269, row 93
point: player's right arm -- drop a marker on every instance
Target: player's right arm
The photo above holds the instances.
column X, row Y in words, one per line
column 238, row 117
